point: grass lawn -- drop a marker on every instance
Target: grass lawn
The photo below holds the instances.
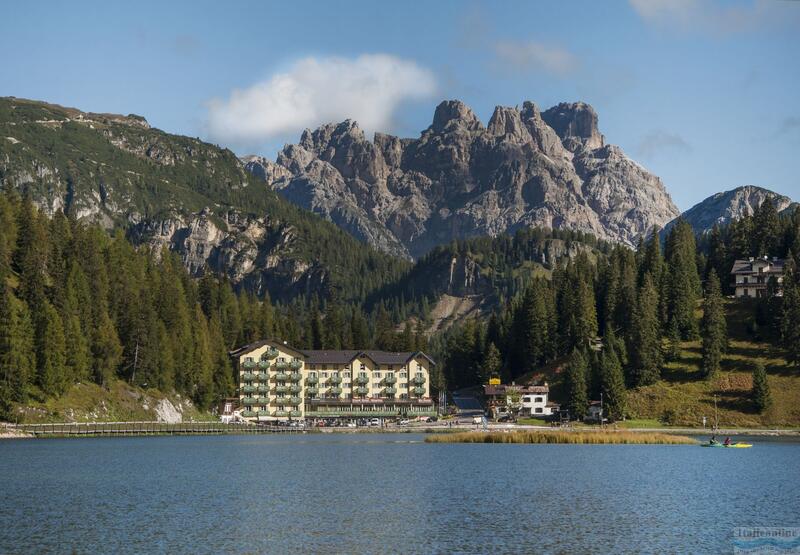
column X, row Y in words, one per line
column 683, row 396
column 532, row 422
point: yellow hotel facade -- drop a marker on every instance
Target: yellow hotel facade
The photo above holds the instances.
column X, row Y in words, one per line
column 278, row 382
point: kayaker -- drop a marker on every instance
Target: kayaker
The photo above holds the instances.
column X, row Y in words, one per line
column 713, row 440
column 727, row 441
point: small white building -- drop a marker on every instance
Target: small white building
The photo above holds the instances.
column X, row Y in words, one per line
column 535, row 403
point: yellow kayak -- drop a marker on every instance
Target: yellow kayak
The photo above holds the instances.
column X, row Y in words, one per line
column 731, row 446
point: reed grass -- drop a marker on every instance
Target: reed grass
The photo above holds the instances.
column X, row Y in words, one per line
column 584, row 438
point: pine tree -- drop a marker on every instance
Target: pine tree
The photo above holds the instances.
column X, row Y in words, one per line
column 714, row 327
column 766, row 229
column 17, row 360
column 682, row 281
column 491, row 365
column 576, row 385
column 760, row 394
column 612, row 380
column 646, row 358
column 51, row 350
column 790, row 318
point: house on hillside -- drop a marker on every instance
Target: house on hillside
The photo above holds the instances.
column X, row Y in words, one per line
column 753, row 276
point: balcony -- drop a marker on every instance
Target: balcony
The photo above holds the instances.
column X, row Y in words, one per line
column 389, row 390
column 335, row 380
column 280, row 389
column 312, row 380
column 390, row 380
column 311, row 390
column 294, row 376
column 280, row 413
column 296, row 414
column 263, row 388
column 249, row 364
column 263, row 364
column 263, row 400
column 296, row 364
column 282, row 365
column 249, row 413
column 335, row 391
column 281, row 376
column 262, row 376
column 362, row 380
column 271, row 354
column 248, row 376
column 263, row 413
column 248, row 389
column 249, row 401
column 418, row 391
column 361, row 391
column 294, row 401
column 418, row 380
column 295, row 389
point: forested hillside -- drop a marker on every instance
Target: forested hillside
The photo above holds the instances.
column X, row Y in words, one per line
column 182, row 193
column 642, row 306
column 78, row 305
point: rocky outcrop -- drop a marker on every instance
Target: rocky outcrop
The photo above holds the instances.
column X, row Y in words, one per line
column 725, row 207
column 461, row 179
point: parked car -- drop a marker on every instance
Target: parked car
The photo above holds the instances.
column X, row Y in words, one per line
column 375, row 422
column 403, row 422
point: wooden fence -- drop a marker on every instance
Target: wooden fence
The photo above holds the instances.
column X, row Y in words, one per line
column 98, row 429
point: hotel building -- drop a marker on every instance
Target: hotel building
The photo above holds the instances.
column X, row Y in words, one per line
column 278, row 382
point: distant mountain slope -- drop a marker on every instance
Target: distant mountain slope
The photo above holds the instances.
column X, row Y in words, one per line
column 180, row 192
column 724, row 207
column 459, row 179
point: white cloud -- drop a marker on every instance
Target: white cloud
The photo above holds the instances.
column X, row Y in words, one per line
column 531, row 55
column 313, row 91
column 718, row 17
column 657, row 141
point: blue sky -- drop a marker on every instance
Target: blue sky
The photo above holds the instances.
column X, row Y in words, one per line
column 704, row 94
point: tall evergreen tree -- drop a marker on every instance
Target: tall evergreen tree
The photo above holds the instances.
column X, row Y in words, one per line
column 714, row 327
column 682, row 281
column 491, row 365
column 612, row 380
column 576, row 385
column 51, row 352
column 17, row 360
column 760, row 394
column 646, row 358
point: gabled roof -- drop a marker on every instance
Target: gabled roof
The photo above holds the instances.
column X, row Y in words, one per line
column 261, row 343
column 316, row 356
column 746, row 266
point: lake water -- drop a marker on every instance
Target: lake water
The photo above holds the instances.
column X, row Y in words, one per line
column 385, row 493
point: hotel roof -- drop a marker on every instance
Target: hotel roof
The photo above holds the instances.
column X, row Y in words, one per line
column 312, row 356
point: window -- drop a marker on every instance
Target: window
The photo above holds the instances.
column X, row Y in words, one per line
column 539, row 400
column 248, row 359
column 404, row 395
column 363, row 366
column 403, row 375
column 347, row 384
column 419, row 375
column 404, row 385
column 539, row 410
column 312, row 374
column 362, row 374
column 347, row 374
column 324, row 374
column 376, row 375
column 526, row 399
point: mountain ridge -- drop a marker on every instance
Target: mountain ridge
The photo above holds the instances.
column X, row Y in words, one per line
column 460, row 179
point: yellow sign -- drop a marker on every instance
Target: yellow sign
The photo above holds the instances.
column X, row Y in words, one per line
column 494, row 381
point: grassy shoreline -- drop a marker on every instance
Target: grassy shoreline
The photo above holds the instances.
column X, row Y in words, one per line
column 581, row 438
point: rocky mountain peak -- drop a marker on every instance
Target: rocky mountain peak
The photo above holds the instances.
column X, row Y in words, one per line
column 460, row 179
column 507, row 122
column 451, row 114
column 576, row 124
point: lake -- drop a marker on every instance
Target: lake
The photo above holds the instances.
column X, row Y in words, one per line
column 385, row 493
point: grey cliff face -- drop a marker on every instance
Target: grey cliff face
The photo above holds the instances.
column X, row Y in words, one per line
column 461, row 179
column 722, row 208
